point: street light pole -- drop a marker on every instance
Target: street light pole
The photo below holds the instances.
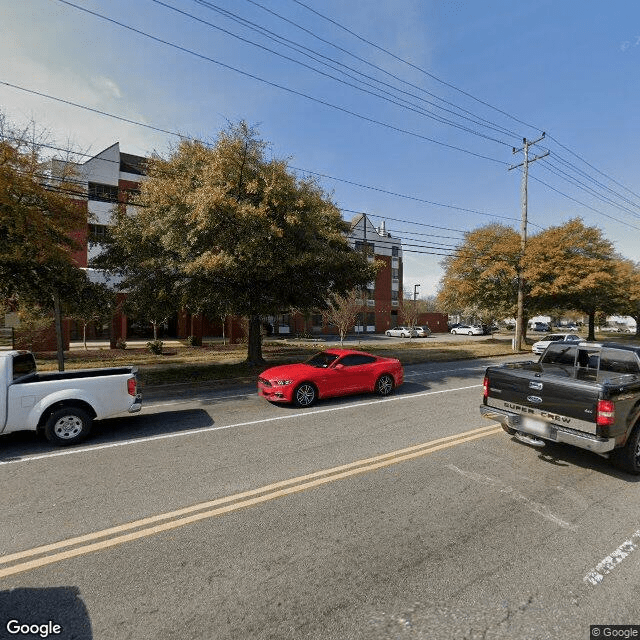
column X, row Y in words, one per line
column 415, row 292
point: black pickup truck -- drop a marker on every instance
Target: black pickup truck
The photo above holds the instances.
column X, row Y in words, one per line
column 585, row 394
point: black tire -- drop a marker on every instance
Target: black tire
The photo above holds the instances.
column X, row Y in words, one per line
column 305, row 395
column 470, row 333
column 628, row 457
column 403, row 335
column 67, row 426
column 384, row 385
column 388, row 333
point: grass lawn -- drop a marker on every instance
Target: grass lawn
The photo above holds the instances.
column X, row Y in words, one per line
column 226, row 362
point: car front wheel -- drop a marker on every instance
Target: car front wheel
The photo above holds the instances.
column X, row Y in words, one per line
column 470, row 333
column 305, row 395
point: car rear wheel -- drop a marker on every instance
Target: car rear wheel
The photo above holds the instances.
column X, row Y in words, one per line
column 384, row 385
column 305, row 395
column 67, row 426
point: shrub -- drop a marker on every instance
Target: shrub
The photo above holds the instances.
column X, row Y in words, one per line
column 155, row 346
column 121, row 344
column 194, row 341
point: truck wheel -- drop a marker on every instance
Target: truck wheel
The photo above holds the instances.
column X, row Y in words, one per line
column 628, row 457
column 67, row 425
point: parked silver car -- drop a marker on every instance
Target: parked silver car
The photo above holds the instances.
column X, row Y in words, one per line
column 423, row 331
column 468, row 330
column 402, row 332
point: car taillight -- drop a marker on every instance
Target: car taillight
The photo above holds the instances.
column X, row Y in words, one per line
column 131, row 386
column 485, row 387
column 606, row 413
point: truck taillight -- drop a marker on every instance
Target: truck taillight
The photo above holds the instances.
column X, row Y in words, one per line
column 606, row 413
column 131, row 386
column 485, row 387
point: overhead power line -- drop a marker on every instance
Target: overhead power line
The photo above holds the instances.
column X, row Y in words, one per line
column 465, row 93
column 339, row 66
column 280, row 86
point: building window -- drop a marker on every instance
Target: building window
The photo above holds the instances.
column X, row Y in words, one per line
column 365, row 247
column 97, row 233
column 103, row 192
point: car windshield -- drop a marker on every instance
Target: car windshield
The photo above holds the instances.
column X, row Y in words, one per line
column 551, row 338
column 322, row 360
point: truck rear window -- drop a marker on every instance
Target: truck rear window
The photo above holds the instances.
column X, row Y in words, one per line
column 561, row 354
column 23, row 365
column 619, row 361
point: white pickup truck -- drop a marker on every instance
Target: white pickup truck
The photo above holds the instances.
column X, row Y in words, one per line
column 63, row 404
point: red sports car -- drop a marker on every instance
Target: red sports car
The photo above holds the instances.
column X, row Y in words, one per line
column 334, row 372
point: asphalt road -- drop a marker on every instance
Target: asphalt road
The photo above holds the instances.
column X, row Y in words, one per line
column 214, row 514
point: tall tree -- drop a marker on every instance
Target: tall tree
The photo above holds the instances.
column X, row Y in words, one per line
column 573, row 266
column 38, row 219
column 238, row 231
column 480, row 277
column 630, row 272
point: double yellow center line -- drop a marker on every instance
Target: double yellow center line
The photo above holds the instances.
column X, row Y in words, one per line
column 21, row 561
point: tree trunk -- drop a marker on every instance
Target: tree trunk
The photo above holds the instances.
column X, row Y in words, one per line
column 254, row 346
column 155, row 330
column 59, row 337
column 591, row 335
column 84, row 335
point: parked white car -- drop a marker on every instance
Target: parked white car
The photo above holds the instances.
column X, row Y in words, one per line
column 541, row 345
column 402, row 332
column 468, row 330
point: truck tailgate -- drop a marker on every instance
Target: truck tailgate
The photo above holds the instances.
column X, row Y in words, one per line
column 559, row 399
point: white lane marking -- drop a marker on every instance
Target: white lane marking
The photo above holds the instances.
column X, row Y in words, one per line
column 188, row 432
column 536, row 507
column 608, row 564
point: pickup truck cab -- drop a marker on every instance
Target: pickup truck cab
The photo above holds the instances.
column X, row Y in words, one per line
column 62, row 404
column 585, row 394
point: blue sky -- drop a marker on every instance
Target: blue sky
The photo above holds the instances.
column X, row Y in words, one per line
column 500, row 69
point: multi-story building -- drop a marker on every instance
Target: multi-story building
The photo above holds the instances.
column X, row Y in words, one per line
column 110, row 177
column 382, row 298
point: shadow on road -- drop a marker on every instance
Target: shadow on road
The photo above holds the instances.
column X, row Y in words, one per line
column 45, row 608
column 563, row 455
column 27, row 443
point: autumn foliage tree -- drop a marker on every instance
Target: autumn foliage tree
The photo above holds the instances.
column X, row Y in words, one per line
column 574, row 267
column 38, row 220
column 480, row 276
column 237, row 231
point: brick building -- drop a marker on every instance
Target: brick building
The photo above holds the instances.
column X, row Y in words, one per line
column 109, row 179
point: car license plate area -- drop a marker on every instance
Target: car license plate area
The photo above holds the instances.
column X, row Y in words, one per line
column 538, row 428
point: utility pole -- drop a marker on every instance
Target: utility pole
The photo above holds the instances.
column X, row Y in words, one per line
column 517, row 341
column 415, row 292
